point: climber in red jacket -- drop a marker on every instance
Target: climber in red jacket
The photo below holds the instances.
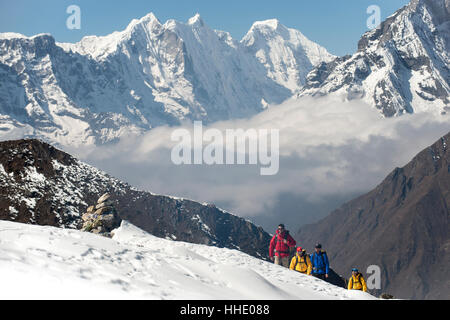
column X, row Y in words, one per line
column 281, row 245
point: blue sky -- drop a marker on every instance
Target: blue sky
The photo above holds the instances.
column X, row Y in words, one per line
column 337, row 25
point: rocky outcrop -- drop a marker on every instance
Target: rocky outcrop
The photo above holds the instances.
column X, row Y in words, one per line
column 42, row 185
column 101, row 218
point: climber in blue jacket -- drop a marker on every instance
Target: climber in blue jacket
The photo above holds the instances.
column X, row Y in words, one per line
column 320, row 264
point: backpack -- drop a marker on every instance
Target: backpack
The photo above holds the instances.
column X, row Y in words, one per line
column 297, row 262
column 276, row 241
column 323, row 253
column 358, row 277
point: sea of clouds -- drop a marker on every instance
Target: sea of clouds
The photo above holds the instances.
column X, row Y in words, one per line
column 329, row 152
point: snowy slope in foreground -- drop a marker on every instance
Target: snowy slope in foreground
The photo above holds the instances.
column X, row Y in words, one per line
column 51, row 263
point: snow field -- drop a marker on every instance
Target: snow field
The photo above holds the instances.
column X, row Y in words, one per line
column 50, row 263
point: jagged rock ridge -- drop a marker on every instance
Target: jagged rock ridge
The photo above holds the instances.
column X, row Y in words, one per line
column 42, row 185
column 400, row 67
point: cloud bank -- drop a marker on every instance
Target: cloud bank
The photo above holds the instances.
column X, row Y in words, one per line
column 329, row 152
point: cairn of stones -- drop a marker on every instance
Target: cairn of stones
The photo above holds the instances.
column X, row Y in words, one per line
column 101, row 218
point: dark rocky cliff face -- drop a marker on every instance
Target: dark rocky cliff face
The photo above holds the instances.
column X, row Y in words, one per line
column 42, row 185
column 402, row 226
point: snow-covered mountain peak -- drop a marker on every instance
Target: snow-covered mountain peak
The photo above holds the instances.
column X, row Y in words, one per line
column 286, row 53
column 11, row 35
column 149, row 22
column 150, row 17
column 15, row 35
column 18, row 38
column 196, row 20
column 147, row 75
column 269, row 30
column 266, row 25
column 195, row 26
column 412, row 21
column 401, row 67
column 100, row 47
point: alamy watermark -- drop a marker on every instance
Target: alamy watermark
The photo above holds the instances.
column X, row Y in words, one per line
column 374, row 280
column 73, row 22
column 374, row 19
column 230, row 147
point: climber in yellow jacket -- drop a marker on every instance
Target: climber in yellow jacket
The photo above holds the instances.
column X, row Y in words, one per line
column 357, row 282
column 301, row 262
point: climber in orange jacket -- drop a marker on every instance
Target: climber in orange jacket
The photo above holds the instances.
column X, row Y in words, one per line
column 301, row 262
column 357, row 282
